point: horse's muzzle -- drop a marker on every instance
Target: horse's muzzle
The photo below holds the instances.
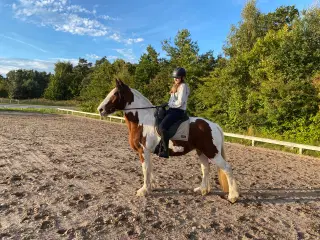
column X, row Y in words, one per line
column 104, row 112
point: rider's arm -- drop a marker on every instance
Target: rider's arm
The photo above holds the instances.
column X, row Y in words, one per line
column 182, row 97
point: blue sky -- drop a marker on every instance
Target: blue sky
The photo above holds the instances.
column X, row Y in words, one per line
column 34, row 34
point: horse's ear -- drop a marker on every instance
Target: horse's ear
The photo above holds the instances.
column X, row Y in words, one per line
column 118, row 83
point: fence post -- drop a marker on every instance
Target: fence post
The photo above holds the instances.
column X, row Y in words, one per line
column 252, row 143
column 300, row 150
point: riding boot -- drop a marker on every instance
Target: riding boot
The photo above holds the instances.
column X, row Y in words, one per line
column 165, row 145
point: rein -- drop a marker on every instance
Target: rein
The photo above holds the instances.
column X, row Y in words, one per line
column 142, row 108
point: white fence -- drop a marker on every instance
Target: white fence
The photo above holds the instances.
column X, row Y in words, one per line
column 110, row 117
column 6, row 100
column 301, row 147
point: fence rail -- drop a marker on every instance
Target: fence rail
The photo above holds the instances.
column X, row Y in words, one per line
column 7, row 100
column 92, row 114
column 301, row 147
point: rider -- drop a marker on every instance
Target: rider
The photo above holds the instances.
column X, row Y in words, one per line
column 177, row 107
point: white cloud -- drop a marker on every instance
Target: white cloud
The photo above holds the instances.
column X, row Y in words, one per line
column 92, row 56
column 112, row 57
column 117, row 37
column 133, row 40
column 106, row 17
column 5, row 69
column 127, row 53
column 61, row 16
column 78, row 9
column 81, row 26
column 8, row 64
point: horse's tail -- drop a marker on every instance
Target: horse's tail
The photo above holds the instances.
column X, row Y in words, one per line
column 221, row 175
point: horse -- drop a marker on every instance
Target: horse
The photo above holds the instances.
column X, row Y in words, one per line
column 205, row 137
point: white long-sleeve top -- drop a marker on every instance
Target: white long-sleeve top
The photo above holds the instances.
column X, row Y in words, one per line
column 180, row 98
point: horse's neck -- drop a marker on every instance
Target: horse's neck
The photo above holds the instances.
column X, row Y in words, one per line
column 145, row 116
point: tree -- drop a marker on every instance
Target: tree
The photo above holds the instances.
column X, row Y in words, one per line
column 269, row 80
column 3, row 87
column 124, row 71
column 102, row 82
column 255, row 25
column 243, row 37
column 147, row 69
column 59, row 85
column 22, row 84
column 80, row 78
column 157, row 90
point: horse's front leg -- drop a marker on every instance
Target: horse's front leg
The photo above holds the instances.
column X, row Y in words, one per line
column 146, row 163
column 205, row 184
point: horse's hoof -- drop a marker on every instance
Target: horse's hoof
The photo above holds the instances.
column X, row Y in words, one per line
column 204, row 191
column 233, row 199
column 141, row 192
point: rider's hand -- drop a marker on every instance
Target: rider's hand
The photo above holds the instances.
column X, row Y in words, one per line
column 164, row 104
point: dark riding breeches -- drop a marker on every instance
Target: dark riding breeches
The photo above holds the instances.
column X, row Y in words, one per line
column 173, row 115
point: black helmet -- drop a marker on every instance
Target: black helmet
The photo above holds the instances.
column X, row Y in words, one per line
column 179, row 72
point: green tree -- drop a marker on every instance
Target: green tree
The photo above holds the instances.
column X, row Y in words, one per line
column 3, row 87
column 81, row 73
column 147, row 69
column 125, row 71
column 255, row 25
column 269, row 83
column 157, row 90
column 59, row 85
column 102, row 82
column 22, row 84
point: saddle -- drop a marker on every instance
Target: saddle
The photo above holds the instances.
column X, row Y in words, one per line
column 179, row 130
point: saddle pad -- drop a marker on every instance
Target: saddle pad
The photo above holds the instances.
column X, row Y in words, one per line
column 182, row 133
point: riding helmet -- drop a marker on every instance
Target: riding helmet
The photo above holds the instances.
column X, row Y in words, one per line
column 179, row 72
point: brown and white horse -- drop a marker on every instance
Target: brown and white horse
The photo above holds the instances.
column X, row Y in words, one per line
column 204, row 136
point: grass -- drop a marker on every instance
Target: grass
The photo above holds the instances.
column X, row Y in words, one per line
column 34, row 110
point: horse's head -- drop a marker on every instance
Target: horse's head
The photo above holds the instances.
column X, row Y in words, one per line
column 117, row 99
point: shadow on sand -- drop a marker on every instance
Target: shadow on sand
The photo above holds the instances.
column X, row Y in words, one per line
column 247, row 196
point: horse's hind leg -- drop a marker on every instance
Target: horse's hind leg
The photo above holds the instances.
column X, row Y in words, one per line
column 226, row 169
column 205, row 168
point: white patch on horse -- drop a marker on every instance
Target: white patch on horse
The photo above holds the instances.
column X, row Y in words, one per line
column 146, row 118
column 175, row 148
column 107, row 99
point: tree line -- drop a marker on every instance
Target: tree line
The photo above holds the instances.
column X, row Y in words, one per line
column 267, row 81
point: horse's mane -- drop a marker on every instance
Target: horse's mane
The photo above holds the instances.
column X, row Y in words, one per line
column 139, row 95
